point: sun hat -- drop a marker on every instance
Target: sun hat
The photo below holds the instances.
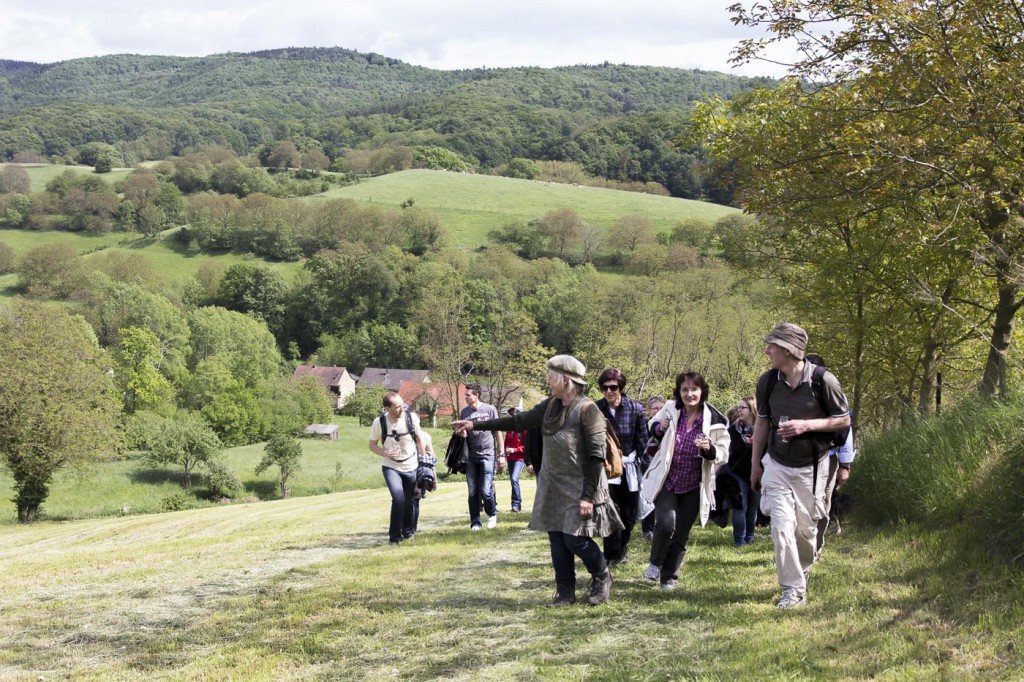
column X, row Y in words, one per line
column 790, row 337
column 569, row 366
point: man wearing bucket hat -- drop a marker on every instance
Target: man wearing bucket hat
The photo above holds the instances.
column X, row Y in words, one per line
column 572, row 503
column 793, row 428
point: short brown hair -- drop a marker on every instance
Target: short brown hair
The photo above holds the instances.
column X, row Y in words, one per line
column 612, row 374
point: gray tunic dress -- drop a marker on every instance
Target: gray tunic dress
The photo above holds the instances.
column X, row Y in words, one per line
column 562, row 478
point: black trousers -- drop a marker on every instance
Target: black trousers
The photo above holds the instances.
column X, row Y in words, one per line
column 616, row 544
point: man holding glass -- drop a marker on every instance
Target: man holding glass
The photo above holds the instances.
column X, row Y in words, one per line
column 799, row 411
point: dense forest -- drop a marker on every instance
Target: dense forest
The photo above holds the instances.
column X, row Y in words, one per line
column 619, row 122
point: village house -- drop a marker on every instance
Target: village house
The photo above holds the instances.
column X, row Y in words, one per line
column 337, row 380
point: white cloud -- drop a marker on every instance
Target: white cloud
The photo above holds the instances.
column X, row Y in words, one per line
column 443, row 34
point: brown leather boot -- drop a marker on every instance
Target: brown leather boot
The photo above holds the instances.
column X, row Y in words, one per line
column 565, row 594
column 599, row 588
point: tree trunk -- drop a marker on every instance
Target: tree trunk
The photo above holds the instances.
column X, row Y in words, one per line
column 994, row 380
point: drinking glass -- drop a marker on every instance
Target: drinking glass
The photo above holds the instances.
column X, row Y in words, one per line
column 782, row 420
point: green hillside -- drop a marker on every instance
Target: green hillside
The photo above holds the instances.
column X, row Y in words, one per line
column 308, row 588
column 616, row 120
column 471, row 205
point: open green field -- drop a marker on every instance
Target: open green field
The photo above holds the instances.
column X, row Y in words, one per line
column 42, row 173
column 168, row 260
column 130, row 486
column 308, row 588
column 472, row 205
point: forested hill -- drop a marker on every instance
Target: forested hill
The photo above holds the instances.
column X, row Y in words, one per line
column 336, row 81
column 615, row 120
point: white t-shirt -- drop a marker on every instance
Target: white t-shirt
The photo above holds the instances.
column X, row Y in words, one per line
column 398, row 432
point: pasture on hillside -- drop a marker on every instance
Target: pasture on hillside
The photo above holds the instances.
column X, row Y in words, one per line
column 472, row 205
column 130, row 485
column 43, row 173
column 308, row 588
column 169, row 261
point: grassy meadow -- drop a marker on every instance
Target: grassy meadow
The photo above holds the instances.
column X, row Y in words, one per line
column 43, row 173
column 308, row 588
column 472, row 205
column 131, row 486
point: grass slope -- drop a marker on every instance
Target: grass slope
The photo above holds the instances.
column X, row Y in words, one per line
column 41, row 174
column 472, row 205
column 169, row 261
column 308, row 589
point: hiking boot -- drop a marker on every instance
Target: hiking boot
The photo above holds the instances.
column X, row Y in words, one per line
column 565, row 594
column 492, row 522
column 599, row 588
column 791, row 599
column 653, row 572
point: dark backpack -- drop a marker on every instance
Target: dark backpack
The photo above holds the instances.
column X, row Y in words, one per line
column 834, row 438
column 456, row 455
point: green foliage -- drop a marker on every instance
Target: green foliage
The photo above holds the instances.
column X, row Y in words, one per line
column 438, row 158
column 15, row 180
column 186, row 441
column 943, row 470
column 285, row 453
column 57, row 403
column 521, row 168
column 524, row 237
column 6, row 259
column 138, row 359
column 50, row 271
column 373, row 344
column 366, row 403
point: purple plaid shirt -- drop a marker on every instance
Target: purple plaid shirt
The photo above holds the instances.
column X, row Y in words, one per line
column 684, row 471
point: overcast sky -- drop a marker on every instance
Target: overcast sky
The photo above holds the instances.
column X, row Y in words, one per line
column 441, row 34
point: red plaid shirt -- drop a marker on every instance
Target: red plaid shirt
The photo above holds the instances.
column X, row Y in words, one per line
column 684, row 471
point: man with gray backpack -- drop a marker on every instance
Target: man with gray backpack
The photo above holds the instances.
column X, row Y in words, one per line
column 801, row 407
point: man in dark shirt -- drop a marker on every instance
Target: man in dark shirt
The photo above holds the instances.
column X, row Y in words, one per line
column 794, row 426
column 630, row 424
column 480, row 468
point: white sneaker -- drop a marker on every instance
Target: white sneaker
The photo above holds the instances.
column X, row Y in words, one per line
column 653, row 572
column 474, row 527
column 791, row 599
column 492, row 522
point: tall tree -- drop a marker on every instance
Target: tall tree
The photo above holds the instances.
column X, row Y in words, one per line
column 914, row 115
column 58, row 406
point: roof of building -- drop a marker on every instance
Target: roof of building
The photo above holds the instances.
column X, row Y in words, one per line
column 330, row 376
column 392, row 378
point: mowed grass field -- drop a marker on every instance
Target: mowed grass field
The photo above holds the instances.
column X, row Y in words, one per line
column 308, row 589
column 471, row 205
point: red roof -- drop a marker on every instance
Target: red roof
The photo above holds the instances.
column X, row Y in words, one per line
column 412, row 390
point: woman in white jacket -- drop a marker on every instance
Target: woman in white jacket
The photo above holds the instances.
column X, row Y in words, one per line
column 679, row 485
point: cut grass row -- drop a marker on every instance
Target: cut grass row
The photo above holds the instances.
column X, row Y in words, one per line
column 308, row 589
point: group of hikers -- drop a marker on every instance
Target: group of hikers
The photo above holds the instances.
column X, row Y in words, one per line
column 780, row 452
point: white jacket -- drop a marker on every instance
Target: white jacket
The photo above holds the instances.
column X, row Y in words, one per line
column 716, row 428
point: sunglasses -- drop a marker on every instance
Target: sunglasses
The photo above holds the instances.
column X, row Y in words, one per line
column 611, row 387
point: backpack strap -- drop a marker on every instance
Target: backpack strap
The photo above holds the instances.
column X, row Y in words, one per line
column 383, row 428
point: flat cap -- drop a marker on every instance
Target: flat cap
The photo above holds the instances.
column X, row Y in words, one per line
column 570, row 367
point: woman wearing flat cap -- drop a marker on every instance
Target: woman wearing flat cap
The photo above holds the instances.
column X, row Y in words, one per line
column 572, row 503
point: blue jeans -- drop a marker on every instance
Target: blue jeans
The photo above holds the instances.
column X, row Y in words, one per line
column 515, row 470
column 564, row 550
column 480, row 482
column 401, row 485
column 744, row 518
